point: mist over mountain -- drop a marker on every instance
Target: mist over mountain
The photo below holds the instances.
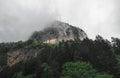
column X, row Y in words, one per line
column 56, row 39
column 54, row 33
column 20, row 18
column 75, row 54
column 57, row 32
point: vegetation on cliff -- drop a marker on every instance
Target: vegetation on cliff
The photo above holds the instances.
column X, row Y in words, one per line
column 88, row 58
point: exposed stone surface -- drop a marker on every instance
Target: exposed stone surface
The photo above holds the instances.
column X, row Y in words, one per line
column 16, row 56
column 58, row 31
column 54, row 33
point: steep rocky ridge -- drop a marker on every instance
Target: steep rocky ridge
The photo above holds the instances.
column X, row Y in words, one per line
column 53, row 33
column 57, row 32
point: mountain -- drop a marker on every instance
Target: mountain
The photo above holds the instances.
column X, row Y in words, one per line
column 72, row 57
column 53, row 33
column 58, row 31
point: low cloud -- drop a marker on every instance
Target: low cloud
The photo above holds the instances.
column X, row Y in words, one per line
column 94, row 16
column 19, row 18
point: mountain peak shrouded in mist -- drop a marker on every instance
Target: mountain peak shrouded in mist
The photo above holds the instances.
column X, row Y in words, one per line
column 58, row 31
column 53, row 33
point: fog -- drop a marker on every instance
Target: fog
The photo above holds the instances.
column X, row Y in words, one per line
column 19, row 18
column 93, row 16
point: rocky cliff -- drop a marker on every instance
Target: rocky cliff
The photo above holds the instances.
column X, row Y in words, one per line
column 57, row 32
column 53, row 33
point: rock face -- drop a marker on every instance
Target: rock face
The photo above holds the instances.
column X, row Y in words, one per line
column 57, row 32
column 19, row 55
column 54, row 33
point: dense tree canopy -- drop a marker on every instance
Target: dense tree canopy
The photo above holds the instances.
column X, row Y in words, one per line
column 88, row 58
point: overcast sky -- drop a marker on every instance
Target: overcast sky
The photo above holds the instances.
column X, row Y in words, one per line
column 19, row 18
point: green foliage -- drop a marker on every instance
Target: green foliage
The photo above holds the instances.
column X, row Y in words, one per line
column 116, row 45
column 47, row 71
column 117, row 67
column 20, row 75
column 62, row 60
column 101, row 55
column 103, row 76
column 78, row 70
column 118, row 61
column 0, row 68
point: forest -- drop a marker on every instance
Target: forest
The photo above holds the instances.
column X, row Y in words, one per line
column 99, row 58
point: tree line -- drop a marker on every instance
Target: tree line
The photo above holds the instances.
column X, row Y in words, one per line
column 88, row 58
